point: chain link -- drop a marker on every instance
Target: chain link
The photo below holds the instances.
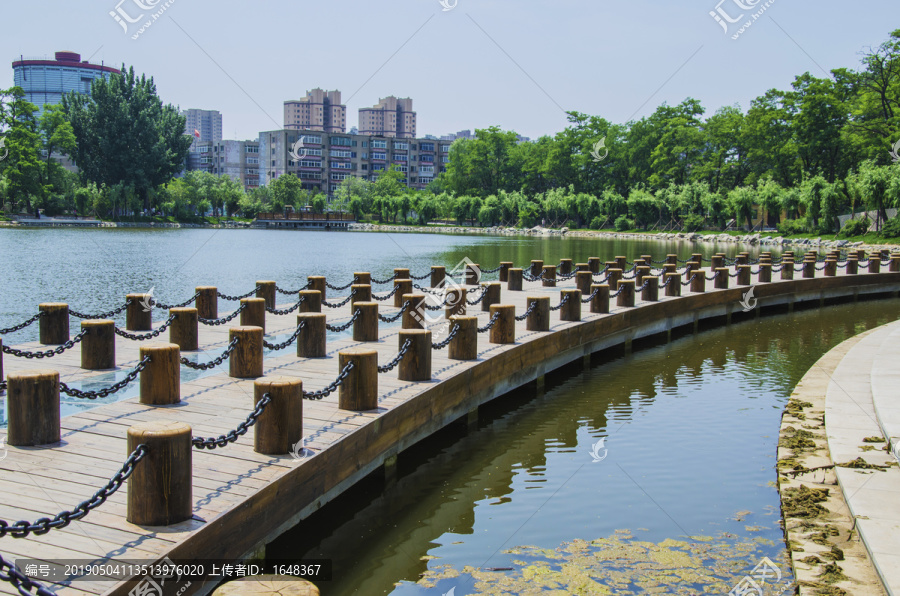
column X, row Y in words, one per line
column 322, row 393
column 289, row 292
column 223, row 320
column 490, row 324
column 397, row 316
column 287, row 342
column 475, row 301
column 105, row 315
column 131, row 376
column 342, row 288
column 383, row 298
column 446, row 342
column 390, row 365
column 150, row 335
column 533, row 277
column 491, row 270
column 22, row 529
column 346, row 325
column 232, row 346
column 561, row 303
column 22, row 325
column 530, row 310
column 49, row 353
column 286, row 311
column 236, row 298
column 241, row 430
column 619, row 291
column 385, row 281
column 594, row 295
column 714, row 276
column 428, row 290
column 21, row 582
column 420, row 276
column 688, row 281
column 342, row 302
column 168, row 306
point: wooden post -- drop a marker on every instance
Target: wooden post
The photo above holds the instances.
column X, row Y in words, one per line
column 565, row 266
column 549, row 276
column 852, row 265
column 670, row 268
column 571, row 310
column 860, row 254
column 600, row 302
column 830, row 267
column 312, row 301
column 722, row 278
column 414, row 316
column 874, row 264
column 809, row 268
column 716, row 262
column 267, row 585
column 765, row 273
column 160, row 488
column 207, row 302
column 438, row 275
column 504, row 330
column 362, row 278
column 401, row 273
column 622, row 263
column 365, row 327
column 416, row 365
column 464, row 345
column 311, row 341
column 280, row 426
column 491, row 295
column 671, row 259
column 787, row 268
column 455, row 300
column 626, row 294
column 638, row 263
column 514, row 281
column 612, row 278
column 583, row 281
column 363, row 293
column 505, row 266
column 317, row 282
column 32, row 402
column 539, row 318
column 690, row 266
column 137, row 316
column 536, row 268
column 161, row 378
column 594, row 264
column 697, row 258
column 582, row 267
column 404, row 286
column 185, row 329
column 743, row 278
column 650, row 293
column 895, row 264
column 246, row 362
column 673, row 284
column 698, row 281
column 359, row 391
column 266, row 290
column 473, row 274
column 641, row 273
column 98, row 346
column 254, row 315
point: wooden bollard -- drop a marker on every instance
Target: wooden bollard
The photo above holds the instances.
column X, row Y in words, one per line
column 612, row 278
column 690, row 266
column 504, row 330
column 505, row 266
column 416, row 364
column 830, row 267
column 565, row 266
column 312, row 301
column 491, row 295
column 874, row 264
column 185, row 328
column 414, row 315
column 787, row 268
column 536, row 268
column 641, row 273
column 438, row 275
column 161, row 378
column 765, row 273
column 611, row 265
column 600, row 300
column 207, row 302
column 266, row 290
column 698, row 281
column 246, row 361
column 673, row 284
column 362, row 278
column 160, row 488
column 137, row 316
column 401, row 273
column 267, row 585
column 455, row 301
column 280, row 426
column 670, row 268
column 648, row 259
column 579, row 267
column 365, row 327
column 852, row 265
column 583, row 281
column 671, row 259
column 464, row 345
column 716, row 262
column 514, row 279
column 311, row 341
column 650, row 293
column 860, row 254
column 473, row 274
column 363, row 293
column 638, row 263
column 809, row 268
column 626, row 293
column 594, row 264
column 254, row 315
column 894, row 266
column 743, row 278
column 404, row 286
column 539, row 318
column 571, row 310
column 317, row 282
column 359, row 390
column 722, row 278
column 32, row 402
column 622, row 263
column 98, row 346
column 549, row 276
column 697, row 258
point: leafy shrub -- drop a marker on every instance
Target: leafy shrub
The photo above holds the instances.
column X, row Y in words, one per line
column 623, row 223
column 854, row 227
column 597, row 222
column 694, row 223
column 891, row 228
column 792, row 226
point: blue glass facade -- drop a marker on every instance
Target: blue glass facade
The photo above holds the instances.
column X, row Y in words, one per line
column 45, row 81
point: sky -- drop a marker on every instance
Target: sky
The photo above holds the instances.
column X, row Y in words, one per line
column 466, row 64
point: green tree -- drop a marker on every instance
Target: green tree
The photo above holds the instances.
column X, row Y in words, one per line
column 740, row 203
column 22, row 165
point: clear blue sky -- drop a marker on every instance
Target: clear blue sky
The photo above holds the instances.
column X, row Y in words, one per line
column 517, row 65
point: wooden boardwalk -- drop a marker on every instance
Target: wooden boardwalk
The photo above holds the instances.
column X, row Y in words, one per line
column 241, row 498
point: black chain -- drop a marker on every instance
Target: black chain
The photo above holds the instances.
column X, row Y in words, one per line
column 224, row 440
column 383, row 298
column 530, row 310
column 105, row 315
column 232, row 346
column 108, row 390
column 49, row 353
column 390, row 365
column 342, row 302
column 475, row 301
column 490, row 324
column 714, row 276
column 688, row 282
column 601, row 272
column 420, row 276
column 643, row 286
column 534, row 277
column 22, row 325
column 223, row 320
column 385, row 281
column 822, row 268
column 446, row 342
column 150, row 335
column 287, row 342
column 346, row 325
column 236, row 298
column 428, row 290
column 490, row 270
column 397, row 316
column 561, row 303
column 21, row 582
column 342, row 288
column 594, row 295
column 774, row 269
column 286, row 311
column 736, row 273
column 22, row 529
column 619, row 291
column 168, row 306
column 322, row 393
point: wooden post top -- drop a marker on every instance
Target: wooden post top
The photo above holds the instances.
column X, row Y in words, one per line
column 158, row 429
column 96, row 323
column 278, row 381
column 158, row 347
column 246, row 328
column 405, row 332
column 265, row 282
column 253, row 300
column 54, row 305
column 136, row 296
column 185, row 310
column 205, row 288
column 36, row 374
column 361, row 352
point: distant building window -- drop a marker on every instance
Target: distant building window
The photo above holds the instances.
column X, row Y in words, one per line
column 401, row 157
column 340, row 165
column 342, row 141
column 445, row 148
column 379, row 144
column 426, row 147
column 379, row 155
column 252, row 149
column 401, row 146
column 338, row 153
column 253, row 160
column 310, row 164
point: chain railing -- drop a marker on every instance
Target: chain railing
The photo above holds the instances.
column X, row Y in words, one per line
column 104, row 315
column 713, row 277
column 601, row 272
column 420, row 277
column 561, row 303
column 286, row 311
column 735, row 274
column 341, row 288
column 491, row 270
column 131, row 376
column 688, row 281
column 617, row 292
column 168, row 306
column 530, row 310
column 223, row 320
column 346, row 325
column 289, row 292
column 385, row 297
column 533, row 277
column 288, row 341
column 22, row 325
column 342, row 302
column 23, row 584
column 323, row 393
column 381, row 282
column 589, row 298
column 241, row 430
column 478, row 299
column 397, row 316
column 443, row 344
column 232, row 346
column 235, row 298
column 22, row 529
column 490, row 324
column 151, row 335
column 428, row 290
column 48, row 353
column 393, row 363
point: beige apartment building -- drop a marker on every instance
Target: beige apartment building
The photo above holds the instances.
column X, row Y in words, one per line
column 320, row 110
column 391, row 117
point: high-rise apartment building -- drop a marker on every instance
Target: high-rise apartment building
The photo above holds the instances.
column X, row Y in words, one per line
column 320, row 111
column 45, row 81
column 390, row 117
column 205, row 128
column 238, row 159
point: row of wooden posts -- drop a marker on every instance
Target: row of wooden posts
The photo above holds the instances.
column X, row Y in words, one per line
column 160, row 489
